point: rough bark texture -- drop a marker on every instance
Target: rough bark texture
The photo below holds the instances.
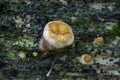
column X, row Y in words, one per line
column 21, row 26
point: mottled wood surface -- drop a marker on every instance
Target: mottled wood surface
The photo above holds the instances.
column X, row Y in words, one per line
column 21, row 26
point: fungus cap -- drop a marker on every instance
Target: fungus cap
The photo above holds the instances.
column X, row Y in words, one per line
column 58, row 34
column 99, row 41
column 35, row 54
column 86, row 59
column 22, row 55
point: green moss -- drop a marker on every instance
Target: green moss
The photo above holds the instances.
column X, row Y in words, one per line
column 115, row 31
column 88, row 24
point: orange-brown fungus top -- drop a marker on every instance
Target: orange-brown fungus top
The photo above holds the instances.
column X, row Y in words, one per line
column 99, row 41
column 59, row 31
column 87, row 58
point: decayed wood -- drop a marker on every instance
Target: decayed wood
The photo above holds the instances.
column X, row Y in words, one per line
column 84, row 22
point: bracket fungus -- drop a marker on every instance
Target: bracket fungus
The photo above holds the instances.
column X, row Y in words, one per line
column 56, row 35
